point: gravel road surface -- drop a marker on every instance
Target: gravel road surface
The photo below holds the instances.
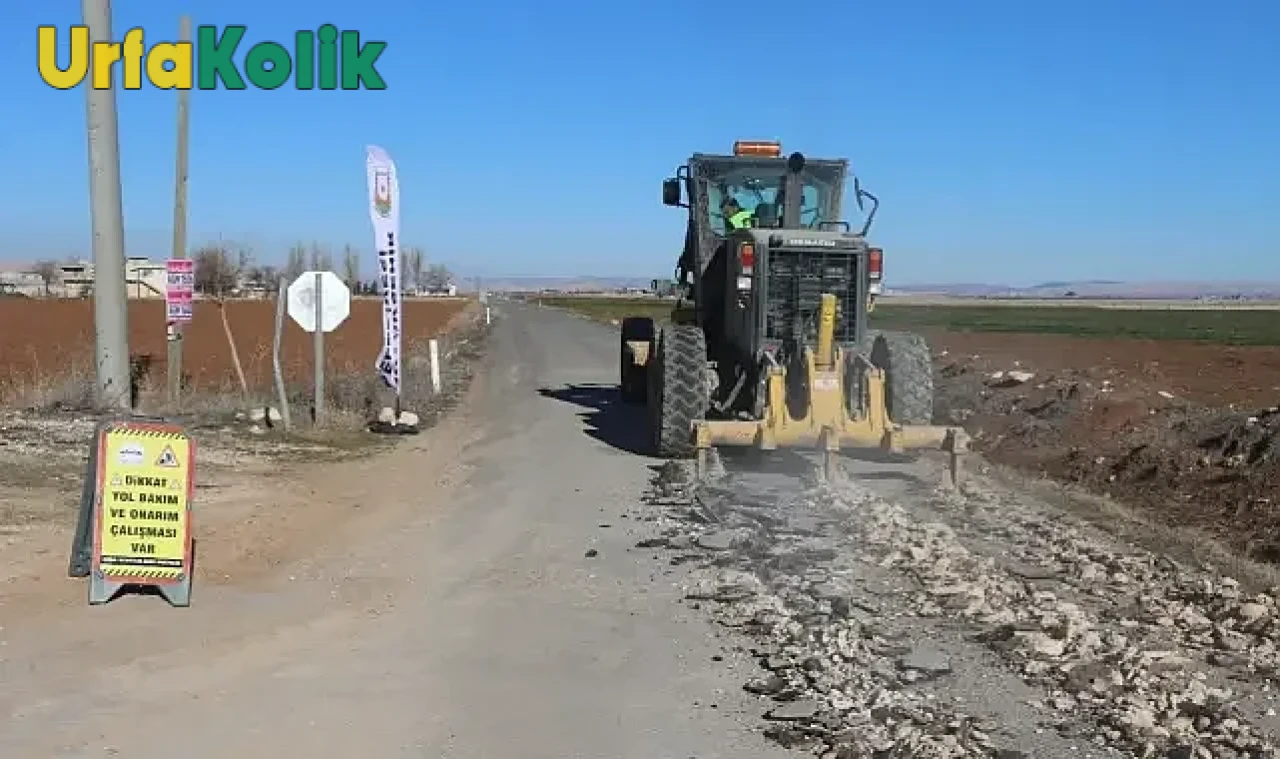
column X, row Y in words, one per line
column 523, row 584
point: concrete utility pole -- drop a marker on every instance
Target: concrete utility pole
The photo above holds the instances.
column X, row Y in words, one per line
column 110, row 299
column 174, row 359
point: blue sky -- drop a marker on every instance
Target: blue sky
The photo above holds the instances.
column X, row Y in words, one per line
column 1009, row 141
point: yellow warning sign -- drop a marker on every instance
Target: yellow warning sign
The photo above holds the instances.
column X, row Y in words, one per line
column 143, row 518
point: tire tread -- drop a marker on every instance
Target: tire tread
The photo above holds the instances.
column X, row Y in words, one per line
column 908, row 366
column 682, row 396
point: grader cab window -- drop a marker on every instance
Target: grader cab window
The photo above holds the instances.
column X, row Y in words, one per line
column 760, row 191
column 816, row 204
column 751, row 194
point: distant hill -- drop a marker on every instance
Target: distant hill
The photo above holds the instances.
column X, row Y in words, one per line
column 563, row 284
column 1075, row 285
column 1156, row 290
column 1090, row 288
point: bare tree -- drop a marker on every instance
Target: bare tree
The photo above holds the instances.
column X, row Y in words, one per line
column 351, row 267
column 245, row 267
column 269, row 276
column 297, row 262
column 321, row 258
column 414, row 259
column 218, row 273
column 264, row 277
column 437, row 277
column 49, row 272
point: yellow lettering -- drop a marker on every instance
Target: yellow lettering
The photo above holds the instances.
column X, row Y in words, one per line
column 47, row 57
column 105, row 55
column 133, row 54
column 179, row 76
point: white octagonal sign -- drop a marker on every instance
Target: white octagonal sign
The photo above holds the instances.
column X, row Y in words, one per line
column 335, row 300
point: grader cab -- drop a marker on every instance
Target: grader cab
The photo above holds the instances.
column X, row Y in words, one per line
column 768, row 344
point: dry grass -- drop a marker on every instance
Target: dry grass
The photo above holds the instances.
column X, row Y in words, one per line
column 42, row 384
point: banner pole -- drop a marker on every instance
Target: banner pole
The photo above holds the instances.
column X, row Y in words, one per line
column 384, row 212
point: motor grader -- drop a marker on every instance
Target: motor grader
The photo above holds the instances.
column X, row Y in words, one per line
column 768, row 345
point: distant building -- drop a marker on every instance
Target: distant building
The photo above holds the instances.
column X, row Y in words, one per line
column 144, row 279
column 22, row 284
column 75, row 280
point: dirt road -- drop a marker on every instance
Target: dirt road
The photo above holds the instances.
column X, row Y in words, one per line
column 518, row 583
column 457, row 616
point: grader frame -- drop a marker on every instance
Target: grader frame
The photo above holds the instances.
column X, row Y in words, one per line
column 828, row 426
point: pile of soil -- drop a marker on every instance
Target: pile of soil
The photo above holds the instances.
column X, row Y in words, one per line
column 1113, row 427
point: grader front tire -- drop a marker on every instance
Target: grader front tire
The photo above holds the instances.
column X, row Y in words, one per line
column 908, row 369
column 678, row 389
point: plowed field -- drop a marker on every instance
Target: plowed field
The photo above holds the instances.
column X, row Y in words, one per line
column 48, row 340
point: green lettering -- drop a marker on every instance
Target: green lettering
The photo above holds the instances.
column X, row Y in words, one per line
column 304, row 48
column 359, row 61
column 328, row 34
column 216, row 58
column 263, row 76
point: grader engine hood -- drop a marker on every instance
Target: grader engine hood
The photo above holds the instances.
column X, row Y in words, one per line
column 791, row 269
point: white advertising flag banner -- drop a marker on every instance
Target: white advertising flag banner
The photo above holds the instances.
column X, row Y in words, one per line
column 384, row 210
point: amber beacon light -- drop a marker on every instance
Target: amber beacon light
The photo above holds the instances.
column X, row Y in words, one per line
column 769, row 149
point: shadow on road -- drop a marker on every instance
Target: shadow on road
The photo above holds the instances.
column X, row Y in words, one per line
column 624, row 426
column 606, row 417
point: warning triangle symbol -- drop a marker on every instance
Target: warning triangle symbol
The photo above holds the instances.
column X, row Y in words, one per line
column 167, row 458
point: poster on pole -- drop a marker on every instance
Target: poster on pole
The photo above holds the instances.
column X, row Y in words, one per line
column 384, row 210
column 179, row 294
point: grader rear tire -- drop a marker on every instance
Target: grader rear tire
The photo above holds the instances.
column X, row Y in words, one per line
column 631, row 376
column 678, row 389
column 908, row 369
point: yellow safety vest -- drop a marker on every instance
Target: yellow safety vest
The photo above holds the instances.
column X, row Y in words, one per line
column 740, row 220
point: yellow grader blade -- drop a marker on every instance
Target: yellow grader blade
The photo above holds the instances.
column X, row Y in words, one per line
column 828, row 425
